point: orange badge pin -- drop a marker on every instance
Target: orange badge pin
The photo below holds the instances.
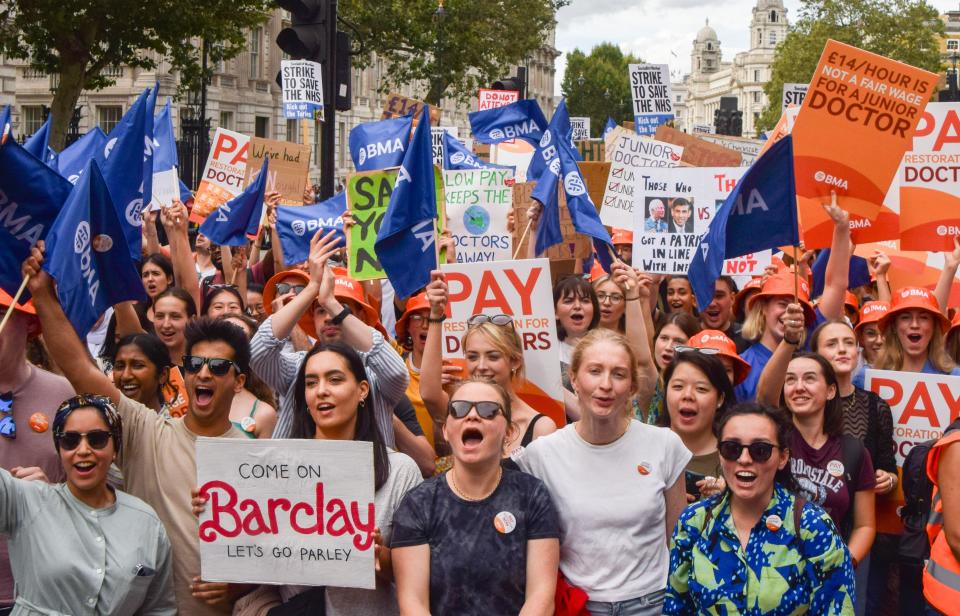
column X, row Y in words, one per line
column 644, row 468
column 248, row 424
column 39, row 422
column 773, row 522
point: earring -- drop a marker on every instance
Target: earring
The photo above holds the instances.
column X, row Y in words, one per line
column 362, row 404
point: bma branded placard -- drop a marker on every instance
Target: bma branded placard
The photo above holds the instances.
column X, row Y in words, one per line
column 629, row 157
column 287, row 512
column 580, row 127
column 223, row 175
column 478, row 204
column 794, row 93
column 651, row 92
column 302, row 89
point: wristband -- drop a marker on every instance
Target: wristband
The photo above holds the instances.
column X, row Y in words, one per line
column 437, row 320
column 632, row 299
column 343, row 314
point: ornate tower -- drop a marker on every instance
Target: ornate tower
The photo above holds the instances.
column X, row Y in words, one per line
column 769, row 24
column 705, row 57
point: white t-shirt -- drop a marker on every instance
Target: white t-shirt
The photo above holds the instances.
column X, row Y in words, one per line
column 610, row 498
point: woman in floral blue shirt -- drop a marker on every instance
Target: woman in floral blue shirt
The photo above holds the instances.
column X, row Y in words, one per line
column 741, row 551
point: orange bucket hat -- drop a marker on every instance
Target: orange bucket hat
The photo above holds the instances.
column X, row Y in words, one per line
column 849, row 299
column 744, row 294
column 915, row 298
column 621, row 236
column 270, row 294
column 956, row 323
column 780, row 285
column 719, row 341
column 871, row 312
column 414, row 304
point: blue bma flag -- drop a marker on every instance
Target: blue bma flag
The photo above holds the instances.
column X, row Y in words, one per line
column 609, row 127
column 520, row 120
column 583, row 212
column 232, row 222
column 146, row 188
column 39, row 144
column 545, row 170
column 558, row 131
column 31, row 195
column 297, row 224
column 87, row 255
column 73, row 159
column 406, row 241
column 456, row 157
column 381, row 144
column 760, row 213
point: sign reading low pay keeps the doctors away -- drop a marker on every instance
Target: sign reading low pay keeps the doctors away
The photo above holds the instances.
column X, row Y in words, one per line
column 287, row 512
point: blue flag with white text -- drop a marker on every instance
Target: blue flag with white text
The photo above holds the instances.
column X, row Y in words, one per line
column 239, row 218
column 760, row 213
column 520, row 120
column 166, row 185
column 380, row 144
column 456, row 157
column 609, row 127
column 297, row 224
column 583, row 212
column 87, row 255
column 405, row 242
column 75, row 156
column 31, row 196
column 146, row 189
column 559, row 131
column 545, row 170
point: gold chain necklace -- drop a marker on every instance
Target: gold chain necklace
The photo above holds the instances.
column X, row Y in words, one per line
column 456, row 488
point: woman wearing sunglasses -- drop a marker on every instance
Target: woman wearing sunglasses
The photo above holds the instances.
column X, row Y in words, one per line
column 757, row 548
column 478, row 539
column 617, row 483
column 697, row 392
column 116, row 557
column 493, row 351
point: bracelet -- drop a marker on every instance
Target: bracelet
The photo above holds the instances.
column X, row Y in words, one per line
column 437, row 320
column 632, row 299
column 343, row 314
column 791, row 342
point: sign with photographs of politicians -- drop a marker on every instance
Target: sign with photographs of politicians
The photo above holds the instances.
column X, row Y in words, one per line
column 629, row 156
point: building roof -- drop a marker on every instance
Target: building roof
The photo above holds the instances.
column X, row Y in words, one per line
column 707, row 33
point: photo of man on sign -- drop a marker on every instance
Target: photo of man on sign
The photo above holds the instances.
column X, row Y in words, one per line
column 680, row 220
column 656, row 212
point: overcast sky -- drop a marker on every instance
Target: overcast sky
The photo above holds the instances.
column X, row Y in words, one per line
column 655, row 30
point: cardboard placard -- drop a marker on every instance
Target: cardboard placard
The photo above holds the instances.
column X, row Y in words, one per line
column 397, row 106
column 478, row 202
column 697, row 152
column 287, row 511
column 591, row 150
column 573, row 246
column 289, row 166
column 749, row 148
column 855, row 125
column 630, row 157
column 223, row 175
column 595, row 176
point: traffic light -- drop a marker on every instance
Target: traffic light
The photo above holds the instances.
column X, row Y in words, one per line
column 516, row 82
column 305, row 39
column 344, row 82
column 736, row 124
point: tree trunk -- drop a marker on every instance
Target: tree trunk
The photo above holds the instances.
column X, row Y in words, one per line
column 72, row 80
column 437, row 87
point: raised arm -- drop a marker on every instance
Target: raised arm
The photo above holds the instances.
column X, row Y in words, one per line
column 771, row 379
column 285, row 319
column 637, row 298
column 838, row 265
column 150, row 239
column 65, row 347
column 174, row 219
column 431, row 365
column 947, row 276
column 879, row 263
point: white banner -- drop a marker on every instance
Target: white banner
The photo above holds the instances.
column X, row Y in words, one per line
column 651, row 91
column 478, row 202
column 793, row 94
column 630, row 156
column 436, row 140
column 302, row 89
column 581, row 128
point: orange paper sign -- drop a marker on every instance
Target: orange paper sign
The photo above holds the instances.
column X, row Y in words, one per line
column 856, row 122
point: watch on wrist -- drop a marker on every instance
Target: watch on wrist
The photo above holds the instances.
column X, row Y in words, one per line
column 343, row 314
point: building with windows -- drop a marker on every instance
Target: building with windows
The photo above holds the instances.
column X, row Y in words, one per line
column 243, row 95
column 950, row 56
column 697, row 96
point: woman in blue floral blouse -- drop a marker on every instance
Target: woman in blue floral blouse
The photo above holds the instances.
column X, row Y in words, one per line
column 757, row 548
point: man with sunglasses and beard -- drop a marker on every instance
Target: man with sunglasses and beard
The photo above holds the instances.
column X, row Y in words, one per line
column 158, row 460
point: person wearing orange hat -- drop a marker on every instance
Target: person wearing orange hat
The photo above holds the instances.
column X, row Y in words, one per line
column 412, row 335
column 740, row 301
column 913, row 334
column 29, row 397
column 622, row 240
column 867, row 330
column 321, row 309
column 851, row 307
column 953, row 338
column 719, row 313
column 726, row 350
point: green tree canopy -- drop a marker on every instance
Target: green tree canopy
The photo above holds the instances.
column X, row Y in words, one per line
column 598, row 85
column 467, row 48
column 904, row 30
column 77, row 39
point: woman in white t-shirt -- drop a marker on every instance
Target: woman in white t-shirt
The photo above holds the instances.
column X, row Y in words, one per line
column 617, row 484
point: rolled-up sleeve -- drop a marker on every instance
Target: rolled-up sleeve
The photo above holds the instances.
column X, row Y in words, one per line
column 278, row 369
column 388, row 378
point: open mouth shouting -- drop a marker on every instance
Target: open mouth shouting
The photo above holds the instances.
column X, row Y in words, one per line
column 745, row 479
column 202, row 396
column 471, row 438
column 84, row 469
column 324, row 408
column 130, row 389
column 687, row 415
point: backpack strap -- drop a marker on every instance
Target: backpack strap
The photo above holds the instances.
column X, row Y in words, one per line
column 851, row 452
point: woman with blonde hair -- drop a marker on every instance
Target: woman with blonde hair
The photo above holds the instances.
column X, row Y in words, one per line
column 914, row 334
column 613, row 303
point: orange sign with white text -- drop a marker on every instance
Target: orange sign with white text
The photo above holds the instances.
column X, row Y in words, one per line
column 856, row 122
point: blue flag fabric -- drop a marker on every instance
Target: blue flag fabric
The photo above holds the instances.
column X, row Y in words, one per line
column 232, row 222
column 5, row 119
column 297, row 224
column 164, row 144
column 558, row 131
column 609, row 127
column 381, row 144
column 87, row 255
column 405, row 242
column 520, row 120
column 456, row 157
column 146, row 188
column 39, row 145
column 583, row 212
column 760, row 213
column 122, row 168
column 31, row 196
column 545, row 170
column 74, row 157
column 859, row 272
column 185, row 194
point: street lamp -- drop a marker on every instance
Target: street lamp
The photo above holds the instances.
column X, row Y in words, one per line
column 439, row 16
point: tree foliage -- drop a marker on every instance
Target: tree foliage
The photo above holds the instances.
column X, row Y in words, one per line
column 78, row 39
column 904, row 30
column 469, row 47
column 598, row 85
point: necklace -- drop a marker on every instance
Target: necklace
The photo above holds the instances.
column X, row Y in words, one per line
column 456, row 488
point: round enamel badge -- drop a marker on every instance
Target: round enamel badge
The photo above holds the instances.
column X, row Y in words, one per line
column 39, row 422
column 504, row 522
column 773, row 522
column 835, row 468
column 248, row 424
column 644, row 468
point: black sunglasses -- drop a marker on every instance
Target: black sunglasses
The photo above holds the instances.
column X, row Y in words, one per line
column 496, row 319
column 219, row 367
column 97, row 439
column 759, row 451
column 486, row 409
column 283, row 288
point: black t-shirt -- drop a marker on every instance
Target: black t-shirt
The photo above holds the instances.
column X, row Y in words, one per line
column 478, row 550
column 405, row 413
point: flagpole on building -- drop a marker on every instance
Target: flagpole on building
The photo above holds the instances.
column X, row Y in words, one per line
column 13, row 304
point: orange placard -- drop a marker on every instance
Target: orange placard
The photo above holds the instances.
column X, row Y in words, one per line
column 856, row 122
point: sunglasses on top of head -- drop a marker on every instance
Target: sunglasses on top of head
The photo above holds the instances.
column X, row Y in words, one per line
column 219, row 367
column 486, row 409
column 759, row 451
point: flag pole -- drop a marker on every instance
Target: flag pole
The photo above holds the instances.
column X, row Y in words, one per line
column 796, row 277
column 436, row 242
column 16, row 298
column 522, row 237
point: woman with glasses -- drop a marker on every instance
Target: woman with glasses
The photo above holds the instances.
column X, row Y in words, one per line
column 81, row 545
column 697, row 392
column 757, row 548
column 478, row 539
column 492, row 350
column 613, row 303
column 617, row 483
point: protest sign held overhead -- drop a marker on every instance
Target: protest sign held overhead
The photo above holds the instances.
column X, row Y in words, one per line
column 289, row 165
column 397, row 106
column 856, row 122
column 674, row 207
column 478, row 203
column 749, row 148
column 296, row 226
column 166, row 183
column 224, row 173
column 581, row 128
column 437, row 141
column 287, row 512
column 520, row 120
column 793, row 94
column 651, row 91
column 520, row 289
column 302, row 89
column 630, row 155
column 491, row 99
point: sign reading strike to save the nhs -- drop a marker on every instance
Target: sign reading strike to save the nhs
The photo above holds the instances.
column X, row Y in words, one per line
column 287, row 512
